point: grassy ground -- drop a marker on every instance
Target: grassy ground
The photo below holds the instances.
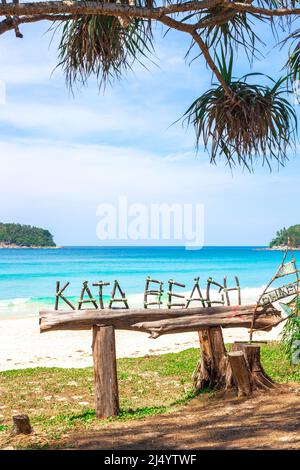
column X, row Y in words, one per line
column 59, row 401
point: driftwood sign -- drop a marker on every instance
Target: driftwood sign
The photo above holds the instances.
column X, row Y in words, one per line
column 267, row 297
column 153, row 294
column 158, row 322
column 279, row 293
column 208, row 322
column 216, row 369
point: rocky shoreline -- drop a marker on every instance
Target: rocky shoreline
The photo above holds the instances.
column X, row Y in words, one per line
column 278, row 248
column 14, row 246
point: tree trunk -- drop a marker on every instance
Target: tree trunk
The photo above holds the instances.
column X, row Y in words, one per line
column 258, row 378
column 21, row 425
column 105, row 371
column 211, row 370
column 216, row 370
column 240, row 373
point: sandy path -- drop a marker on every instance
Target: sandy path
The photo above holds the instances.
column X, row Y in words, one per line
column 267, row 421
column 21, row 344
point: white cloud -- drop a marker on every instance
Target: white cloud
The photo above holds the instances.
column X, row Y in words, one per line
column 59, row 185
column 61, row 156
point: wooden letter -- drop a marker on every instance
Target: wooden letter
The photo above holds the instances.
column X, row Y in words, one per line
column 200, row 298
column 158, row 293
column 122, row 299
column 171, row 294
column 101, row 284
column 86, row 289
column 59, row 295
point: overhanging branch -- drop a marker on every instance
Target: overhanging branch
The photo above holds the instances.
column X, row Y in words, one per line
column 76, row 7
column 10, row 23
column 31, row 12
column 246, row 8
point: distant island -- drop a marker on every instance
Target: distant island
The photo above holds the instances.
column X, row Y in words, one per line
column 25, row 236
column 284, row 236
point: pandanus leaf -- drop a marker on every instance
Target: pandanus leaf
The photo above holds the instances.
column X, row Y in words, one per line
column 102, row 46
column 253, row 122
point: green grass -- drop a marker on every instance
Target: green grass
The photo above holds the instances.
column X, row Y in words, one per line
column 277, row 365
column 60, row 401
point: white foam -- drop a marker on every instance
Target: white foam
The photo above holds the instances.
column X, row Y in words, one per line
column 12, row 302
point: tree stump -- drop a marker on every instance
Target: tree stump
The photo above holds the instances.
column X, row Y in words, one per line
column 105, row 371
column 259, row 380
column 211, row 369
column 240, row 373
column 21, row 425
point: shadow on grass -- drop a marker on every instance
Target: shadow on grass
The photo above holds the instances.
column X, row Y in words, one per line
column 124, row 413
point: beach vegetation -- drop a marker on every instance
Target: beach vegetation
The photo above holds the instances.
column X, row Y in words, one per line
column 289, row 235
column 25, row 235
column 290, row 336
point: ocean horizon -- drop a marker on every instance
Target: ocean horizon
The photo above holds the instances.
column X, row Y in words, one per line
column 28, row 277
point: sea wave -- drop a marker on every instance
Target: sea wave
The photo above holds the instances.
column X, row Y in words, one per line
column 12, row 302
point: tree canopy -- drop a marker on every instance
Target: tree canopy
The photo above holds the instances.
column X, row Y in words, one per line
column 25, row 235
column 236, row 119
column 287, row 235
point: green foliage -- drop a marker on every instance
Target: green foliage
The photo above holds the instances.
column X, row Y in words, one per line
column 103, row 47
column 241, row 123
column 293, row 62
column 25, row 235
column 282, row 236
column 277, row 365
column 291, row 336
column 291, row 331
column 236, row 29
column 244, row 122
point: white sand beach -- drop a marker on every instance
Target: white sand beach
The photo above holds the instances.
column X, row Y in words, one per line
column 23, row 346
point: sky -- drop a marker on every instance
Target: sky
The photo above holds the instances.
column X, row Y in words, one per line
column 62, row 155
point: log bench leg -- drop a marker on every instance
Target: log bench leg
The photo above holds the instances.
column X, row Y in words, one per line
column 259, row 380
column 105, row 371
column 241, row 368
column 240, row 373
column 211, row 370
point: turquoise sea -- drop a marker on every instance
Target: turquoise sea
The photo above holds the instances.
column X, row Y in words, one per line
column 28, row 277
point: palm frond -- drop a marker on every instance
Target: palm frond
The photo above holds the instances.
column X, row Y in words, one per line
column 253, row 122
column 226, row 29
column 102, row 46
column 293, row 62
column 235, row 30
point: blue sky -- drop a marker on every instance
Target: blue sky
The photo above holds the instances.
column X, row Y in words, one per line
column 63, row 155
